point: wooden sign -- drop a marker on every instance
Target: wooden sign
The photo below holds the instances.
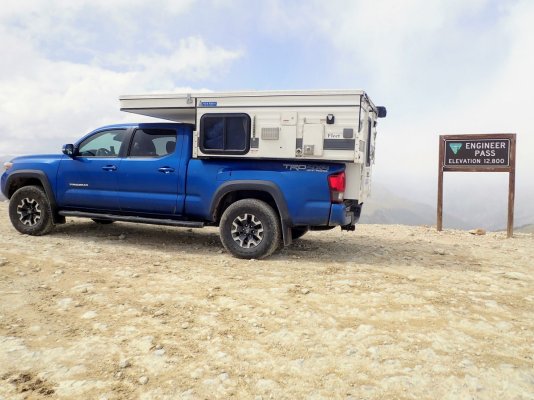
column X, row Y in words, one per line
column 478, row 153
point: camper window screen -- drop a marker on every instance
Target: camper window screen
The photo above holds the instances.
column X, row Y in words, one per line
column 225, row 133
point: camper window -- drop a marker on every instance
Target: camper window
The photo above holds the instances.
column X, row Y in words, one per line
column 225, row 133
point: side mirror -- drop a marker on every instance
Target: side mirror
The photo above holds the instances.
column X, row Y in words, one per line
column 68, row 150
column 381, row 111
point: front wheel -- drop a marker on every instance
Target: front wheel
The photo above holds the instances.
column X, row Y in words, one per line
column 30, row 211
column 250, row 228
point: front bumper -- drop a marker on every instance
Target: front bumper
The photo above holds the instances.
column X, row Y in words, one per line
column 3, row 184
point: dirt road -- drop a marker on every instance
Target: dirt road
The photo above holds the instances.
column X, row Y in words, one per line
column 387, row 312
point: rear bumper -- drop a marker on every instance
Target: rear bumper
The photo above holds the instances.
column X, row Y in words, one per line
column 345, row 214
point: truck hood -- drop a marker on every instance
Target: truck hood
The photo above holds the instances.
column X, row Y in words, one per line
column 37, row 158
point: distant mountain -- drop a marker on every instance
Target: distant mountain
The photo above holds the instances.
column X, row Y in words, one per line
column 525, row 229
column 385, row 207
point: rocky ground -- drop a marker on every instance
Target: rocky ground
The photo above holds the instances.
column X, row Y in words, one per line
column 387, row 312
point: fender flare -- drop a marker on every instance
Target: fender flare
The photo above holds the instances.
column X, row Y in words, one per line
column 260, row 186
column 41, row 177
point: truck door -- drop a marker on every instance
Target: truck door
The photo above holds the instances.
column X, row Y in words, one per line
column 151, row 177
column 89, row 179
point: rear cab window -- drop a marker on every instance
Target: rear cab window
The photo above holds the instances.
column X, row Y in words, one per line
column 153, row 143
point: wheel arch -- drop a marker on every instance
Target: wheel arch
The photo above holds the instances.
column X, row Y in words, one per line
column 267, row 191
column 30, row 177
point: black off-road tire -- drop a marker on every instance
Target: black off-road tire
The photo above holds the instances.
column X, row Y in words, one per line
column 102, row 221
column 240, row 229
column 30, row 211
column 298, row 232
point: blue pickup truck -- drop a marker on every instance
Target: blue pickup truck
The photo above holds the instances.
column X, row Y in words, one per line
column 146, row 173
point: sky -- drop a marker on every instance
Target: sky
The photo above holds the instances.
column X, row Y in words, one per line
column 439, row 66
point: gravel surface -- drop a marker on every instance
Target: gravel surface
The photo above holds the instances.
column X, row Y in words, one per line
column 387, row 312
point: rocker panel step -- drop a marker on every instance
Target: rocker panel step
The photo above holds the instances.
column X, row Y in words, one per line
column 128, row 218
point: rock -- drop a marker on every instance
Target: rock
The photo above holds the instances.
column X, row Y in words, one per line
column 441, row 252
column 89, row 315
column 224, row 377
column 351, row 352
column 478, row 232
column 159, row 352
column 518, row 276
column 197, row 373
column 65, row 303
column 124, row 363
column 159, row 313
column 143, row 380
column 122, row 236
column 84, row 290
column 266, row 385
column 185, row 325
column 58, row 272
column 304, row 291
column 135, row 275
column 101, row 327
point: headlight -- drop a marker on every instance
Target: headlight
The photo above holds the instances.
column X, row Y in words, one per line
column 8, row 165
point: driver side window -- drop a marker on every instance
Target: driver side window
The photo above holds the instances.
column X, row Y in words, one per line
column 103, row 144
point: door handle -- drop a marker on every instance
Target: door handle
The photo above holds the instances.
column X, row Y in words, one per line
column 109, row 168
column 166, row 170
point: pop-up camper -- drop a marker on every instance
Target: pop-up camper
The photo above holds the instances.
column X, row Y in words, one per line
column 298, row 126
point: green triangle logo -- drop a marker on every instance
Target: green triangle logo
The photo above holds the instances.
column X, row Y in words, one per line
column 455, row 147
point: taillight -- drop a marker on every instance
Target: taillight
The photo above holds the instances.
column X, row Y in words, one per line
column 336, row 183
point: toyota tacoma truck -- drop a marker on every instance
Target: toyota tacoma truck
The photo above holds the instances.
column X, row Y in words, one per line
column 203, row 172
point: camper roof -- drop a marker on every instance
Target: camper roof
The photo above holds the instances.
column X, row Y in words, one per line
column 181, row 107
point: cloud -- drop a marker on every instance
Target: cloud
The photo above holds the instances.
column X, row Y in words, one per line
column 441, row 67
column 47, row 96
column 193, row 60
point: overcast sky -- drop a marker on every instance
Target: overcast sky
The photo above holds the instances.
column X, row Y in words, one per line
column 439, row 67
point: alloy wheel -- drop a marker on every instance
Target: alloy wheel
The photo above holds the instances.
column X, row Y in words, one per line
column 247, row 231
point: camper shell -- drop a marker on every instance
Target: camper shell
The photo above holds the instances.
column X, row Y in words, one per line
column 297, row 126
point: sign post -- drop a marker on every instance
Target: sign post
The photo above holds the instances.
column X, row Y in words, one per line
column 478, row 153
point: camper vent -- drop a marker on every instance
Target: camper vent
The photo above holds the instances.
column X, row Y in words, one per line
column 270, row 133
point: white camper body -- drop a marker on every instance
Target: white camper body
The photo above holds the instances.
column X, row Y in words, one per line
column 297, row 126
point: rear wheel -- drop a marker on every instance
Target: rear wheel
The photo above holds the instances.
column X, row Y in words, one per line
column 250, row 228
column 30, row 211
